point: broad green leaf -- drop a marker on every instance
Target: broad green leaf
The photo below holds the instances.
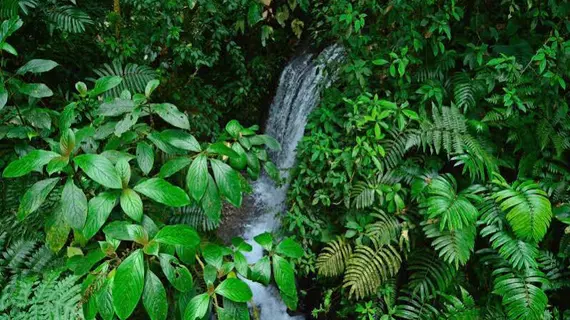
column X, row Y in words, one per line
column 271, row 170
column 174, row 165
column 265, row 240
column 3, row 96
column 57, row 164
column 127, row 123
column 104, row 298
column 35, row 196
column 154, row 297
column 233, row 311
column 57, row 231
column 178, row 234
column 165, row 147
column 197, row 307
column 131, row 204
column 124, row 170
column 116, row 107
column 37, row 66
column 213, row 255
column 270, row 142
column 290, row 248
column 81, row 265
column 285, row 279
column 100, row 169
column 36, row 90
column 81, row 88
column 241, row 245
column 210, row 274
column 145, row 157
column 228, row 181
column 150, row 87
column 239, row 162
column 254, row 13
column 152, row 248
column 233, row 128
column 181, row 139
column 74, row 205
column 163, row 192
column 128, row 284
column 211, row 202
column 105, row 84
column 261, row 271
column 33, row 160
column 197, row 177
column 169, row 113
column 235, row 290
column 221, row 149
column 67, row 142
column 8, row 48
column 186, row 254
column 177, row 274
column 99, row 209
column 122, row 230
column 241, row 263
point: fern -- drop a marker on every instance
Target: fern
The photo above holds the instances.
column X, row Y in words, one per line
column 195, row 217
column 11, row 8
column 428, row 274
column 51, row 296
column 454, row 247
column 333, row 258
column 464, row 91
column 554, row 270
column 414, row 308
column 135, row 77
column 450, row 208
column 368, row 267
column 385, row 229
column 68, row 19
column 521, row 292
column 527, row 209
column 459, row 309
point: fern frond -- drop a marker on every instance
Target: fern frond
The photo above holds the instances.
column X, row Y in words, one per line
column 463, row 91
column 52, row 296
column 135, row 77
column 68, row 19
column 428, row 274
column 195, row 217
column 334, row 257
column 555, row 271
column 450, row 208
column 454, row 247
column 528, row 209
column 412, row 307
column 460, row 309
column 10, row 8
column 385, row 229
column 368, row 267
column 521, row 292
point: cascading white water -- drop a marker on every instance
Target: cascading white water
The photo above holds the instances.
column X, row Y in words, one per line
column 298, row 93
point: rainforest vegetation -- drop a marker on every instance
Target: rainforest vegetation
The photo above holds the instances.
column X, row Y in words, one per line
column 432, row 182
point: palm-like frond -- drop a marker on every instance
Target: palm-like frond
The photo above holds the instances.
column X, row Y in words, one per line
column 463, row 308
column 386, row 228
column 195, row 217
column 368, row 267
column 528, row 209
column 454, row 247
column 135, row 77
column 450, row 208
column 68, row 19
column 412, row 307
column 428, row 274
column 521, row 292
column 334, row 257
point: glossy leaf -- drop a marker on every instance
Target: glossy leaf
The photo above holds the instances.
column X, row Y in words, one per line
column 228, row 181
column 100, row 169
column 145, row 157
column 197, row 177
column 33, row 160
column 235, row 290
column 154, row 297
column 132, row 205
column 74, row 205
column 178, row 235
column 163, row 192
column 35, row 196
column 128, row 284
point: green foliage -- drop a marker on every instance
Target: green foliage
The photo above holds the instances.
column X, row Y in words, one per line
column 444, row 137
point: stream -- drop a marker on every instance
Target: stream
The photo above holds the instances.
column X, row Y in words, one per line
column 297, row 95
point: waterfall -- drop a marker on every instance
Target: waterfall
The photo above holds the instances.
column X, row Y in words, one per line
column 297, row 94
